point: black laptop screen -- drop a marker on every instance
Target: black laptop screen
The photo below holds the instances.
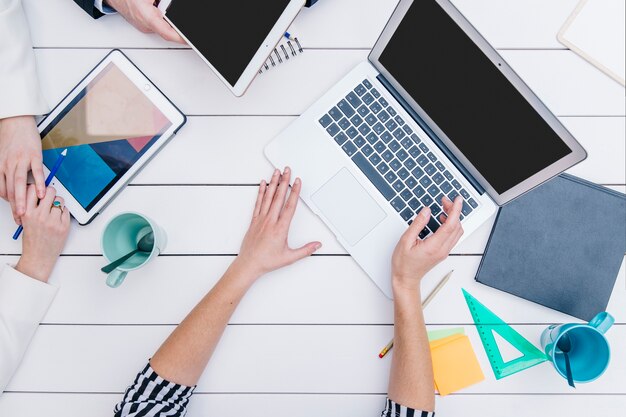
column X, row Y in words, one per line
column 469, row 98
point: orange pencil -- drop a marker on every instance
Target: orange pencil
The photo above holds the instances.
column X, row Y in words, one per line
column 386, row 349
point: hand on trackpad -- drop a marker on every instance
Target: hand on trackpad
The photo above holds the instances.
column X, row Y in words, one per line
column 348, row 207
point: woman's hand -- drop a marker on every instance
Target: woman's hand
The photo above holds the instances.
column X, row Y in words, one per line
column 146, row 17
column 413, row 257
column 20, row 152
column 45, row 232
column 265, row 246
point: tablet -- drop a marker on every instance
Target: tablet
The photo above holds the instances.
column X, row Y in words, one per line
column 233, row 37
column 111, row 124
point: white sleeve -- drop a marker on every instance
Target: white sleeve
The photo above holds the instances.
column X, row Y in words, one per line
column 23, row 303
column 19, row 84
column 104, row 9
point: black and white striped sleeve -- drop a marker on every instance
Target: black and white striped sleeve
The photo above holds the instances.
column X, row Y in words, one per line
column 150, row 395
column 396, row 410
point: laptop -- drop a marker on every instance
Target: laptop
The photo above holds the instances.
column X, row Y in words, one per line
column 434, row 111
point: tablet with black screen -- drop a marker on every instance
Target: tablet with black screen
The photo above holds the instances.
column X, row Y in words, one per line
column 233, row 37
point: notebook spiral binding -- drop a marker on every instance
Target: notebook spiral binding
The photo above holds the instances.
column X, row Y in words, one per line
column 282, row 53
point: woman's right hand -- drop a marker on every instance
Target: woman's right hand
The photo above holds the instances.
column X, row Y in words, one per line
column 413, row 257
column 45, row 233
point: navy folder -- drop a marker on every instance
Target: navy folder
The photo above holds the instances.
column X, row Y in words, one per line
column 560, row 245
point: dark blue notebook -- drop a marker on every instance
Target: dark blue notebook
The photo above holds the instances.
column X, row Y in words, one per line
column 561, row 245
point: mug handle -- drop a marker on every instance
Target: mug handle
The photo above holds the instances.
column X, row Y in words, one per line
column 602, row 322
column 115, row 278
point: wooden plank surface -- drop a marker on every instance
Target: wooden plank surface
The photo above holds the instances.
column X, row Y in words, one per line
column 220, row 214
column 322, row 317
column 527, row 24
column 568, row 85
column 271, row 358
column 344, row 24
column 314, row 405
column 321, row 290
column 239, row 159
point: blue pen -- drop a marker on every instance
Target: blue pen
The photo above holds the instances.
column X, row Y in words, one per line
column 53, row 172
column 288, row 36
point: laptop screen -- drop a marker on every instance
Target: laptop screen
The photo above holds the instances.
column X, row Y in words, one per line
column 469, row 98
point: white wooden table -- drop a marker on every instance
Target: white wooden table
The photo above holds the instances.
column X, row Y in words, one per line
column 305, row 340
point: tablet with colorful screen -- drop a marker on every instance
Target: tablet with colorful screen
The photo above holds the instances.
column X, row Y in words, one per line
column 112, row 123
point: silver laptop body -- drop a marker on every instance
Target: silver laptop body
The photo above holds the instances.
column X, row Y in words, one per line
column 370, row 157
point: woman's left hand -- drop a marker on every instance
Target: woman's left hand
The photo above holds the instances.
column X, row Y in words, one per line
column 265, row 247
column 46, row 227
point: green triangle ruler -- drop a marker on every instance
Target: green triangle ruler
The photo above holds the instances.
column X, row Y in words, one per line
column 487, row 323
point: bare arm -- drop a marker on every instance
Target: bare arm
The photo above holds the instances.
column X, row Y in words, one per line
column 185, row 354
column 411, row 378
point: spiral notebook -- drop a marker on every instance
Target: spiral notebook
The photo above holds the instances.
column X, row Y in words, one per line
column 283, row 52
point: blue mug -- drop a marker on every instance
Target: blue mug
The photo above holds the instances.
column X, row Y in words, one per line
column 589, row 354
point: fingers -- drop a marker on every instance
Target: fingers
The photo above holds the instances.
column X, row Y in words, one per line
column 286, row 216
column 10, row 184
column 21, row 177
column 420, row 221
column 455, row 222
column 454, row 210
column 281, row 194
column 58, row 211
column 3, row 186
column 269, row 193
column 31, row 198
column 447, row 204
column 36, row 168
column 160, row 26
column 10, row 187
column 304, row 251
column 259, row 199
column 48, row 199
column 447, row 208
column 11, row 197
column 450, row 226
column 65, row 219
column 456, row 238
column 17, row 219
column 452, row 241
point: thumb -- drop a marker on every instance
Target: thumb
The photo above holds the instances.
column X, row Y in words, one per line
column 419, row 222
column 304, row 251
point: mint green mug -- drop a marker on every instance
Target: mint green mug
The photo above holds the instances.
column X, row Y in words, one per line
column 121, row 236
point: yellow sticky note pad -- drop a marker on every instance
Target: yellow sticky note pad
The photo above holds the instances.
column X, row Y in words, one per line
column 440, row 342
column 454, row 364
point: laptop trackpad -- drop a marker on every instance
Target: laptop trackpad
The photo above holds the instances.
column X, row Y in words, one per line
column 348, row 207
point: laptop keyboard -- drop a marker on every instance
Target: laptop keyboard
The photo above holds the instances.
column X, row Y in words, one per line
column 402, row 167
